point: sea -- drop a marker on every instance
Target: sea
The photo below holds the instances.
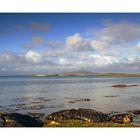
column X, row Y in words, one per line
column 25, row 94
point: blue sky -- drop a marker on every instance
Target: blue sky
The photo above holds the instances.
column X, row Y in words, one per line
column 59, row 42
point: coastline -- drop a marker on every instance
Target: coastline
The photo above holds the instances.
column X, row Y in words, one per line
column 84, row 75
column 70, row 118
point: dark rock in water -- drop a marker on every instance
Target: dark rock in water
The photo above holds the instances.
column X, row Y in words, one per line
column 72, row 100
column 111, row 96
column 123, row 85
column 42, row 99
column 121, row 118
column 85, row 99
column 18, row 120
column 89, row 115
column 35, row 102
column 133, row 85
column 120, row 85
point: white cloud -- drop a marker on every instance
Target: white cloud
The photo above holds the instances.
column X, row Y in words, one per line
column 9, row 58
column 76, row 42
column 101, row 60
column 33, row 56
column 137, row 46
column 131, row 60
column 99, row 45
column 35, row 62
column 6, row 57
column 73, row 41
column 89, row 60
column 25, row 63
column 62, row 61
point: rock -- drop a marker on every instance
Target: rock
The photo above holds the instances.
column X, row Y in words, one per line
column 111, row 96
column 121, row 118
column 42, row 99
column 86, row 99
column 79, row 100
column 89, row 115
column 2, row 120
column 63, row 115
column 120, row 85
column 18, row 120
column 6, row 121
column 123, row 85
column 133, row 85
column 72, row 102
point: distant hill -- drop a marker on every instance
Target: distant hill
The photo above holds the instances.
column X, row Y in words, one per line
column 73, row 73
column 80, row 72
column 88, row 73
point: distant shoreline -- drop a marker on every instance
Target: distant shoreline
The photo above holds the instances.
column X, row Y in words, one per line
column 84, row 75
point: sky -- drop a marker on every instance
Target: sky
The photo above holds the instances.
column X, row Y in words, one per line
column 34, row 43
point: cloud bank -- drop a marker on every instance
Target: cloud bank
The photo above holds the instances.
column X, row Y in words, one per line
column 114, row 48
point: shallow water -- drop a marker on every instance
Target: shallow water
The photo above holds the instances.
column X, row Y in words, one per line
column 50, row 94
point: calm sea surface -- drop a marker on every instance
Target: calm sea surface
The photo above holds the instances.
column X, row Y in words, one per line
column 50, row 94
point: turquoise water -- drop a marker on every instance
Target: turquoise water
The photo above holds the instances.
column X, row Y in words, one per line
column 50, row 94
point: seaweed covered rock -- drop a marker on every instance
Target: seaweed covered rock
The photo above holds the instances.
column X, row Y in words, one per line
column 2, row 120
column 89, row 115
column 121, row 118
column 18, row 120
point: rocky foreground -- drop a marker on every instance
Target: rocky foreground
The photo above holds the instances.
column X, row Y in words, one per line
column 69, row 118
